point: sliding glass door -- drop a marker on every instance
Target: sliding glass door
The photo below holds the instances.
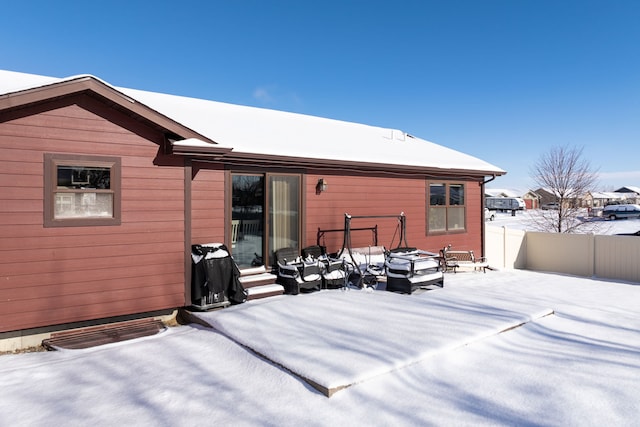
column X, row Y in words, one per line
column 284, row 218
column 264, row 205
column 247, row 219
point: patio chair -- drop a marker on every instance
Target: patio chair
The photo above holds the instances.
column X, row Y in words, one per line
column 296, row 274
column 333, row 270
column 413, row 269
column 235, row 226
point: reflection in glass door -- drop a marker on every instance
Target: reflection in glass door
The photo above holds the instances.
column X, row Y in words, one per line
column 284, row 218
column 250, row 200
column 247, row 219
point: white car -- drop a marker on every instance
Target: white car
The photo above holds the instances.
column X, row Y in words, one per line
column 488, row 215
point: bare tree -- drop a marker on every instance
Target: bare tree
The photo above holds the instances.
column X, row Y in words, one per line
column 566, row 174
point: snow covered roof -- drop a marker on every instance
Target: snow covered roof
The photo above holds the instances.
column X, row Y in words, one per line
column 251, row 131
column 502, row 192
column 628, row 189
column 608, row 195
column 11, row 81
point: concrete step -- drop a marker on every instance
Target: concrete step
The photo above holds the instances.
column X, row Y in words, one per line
column 259, row 283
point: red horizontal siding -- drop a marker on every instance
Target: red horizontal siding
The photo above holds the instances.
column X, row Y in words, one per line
column 363, row 196
column 207, row 205
column 67, row 274
column 15, row 271
column 86, row 145
column 9, row 231
column 75, row 283
column 60, row 314
column 102, row 245
column 368, row 196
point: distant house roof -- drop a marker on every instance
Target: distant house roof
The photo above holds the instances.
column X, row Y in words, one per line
column 629, row 189
column 247, row 133
column 531, row 195
column 608, row 195
column 501, row 192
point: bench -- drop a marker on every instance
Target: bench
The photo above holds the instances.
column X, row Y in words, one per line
column 453, row 260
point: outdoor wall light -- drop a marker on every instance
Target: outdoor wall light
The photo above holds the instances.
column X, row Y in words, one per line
column 322, row 185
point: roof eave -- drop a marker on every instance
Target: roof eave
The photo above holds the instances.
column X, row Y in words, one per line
column 95, row 87
column 211, row 152
column 354, row 166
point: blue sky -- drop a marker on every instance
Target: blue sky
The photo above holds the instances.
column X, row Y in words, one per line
column 504, row 80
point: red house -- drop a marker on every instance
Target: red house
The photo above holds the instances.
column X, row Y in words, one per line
column 104, row 190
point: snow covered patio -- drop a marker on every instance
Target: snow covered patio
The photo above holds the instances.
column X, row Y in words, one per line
column 335, row 338
column 579, row 366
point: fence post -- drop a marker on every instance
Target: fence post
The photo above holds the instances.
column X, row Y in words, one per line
column 504, row 246
column 593, row 253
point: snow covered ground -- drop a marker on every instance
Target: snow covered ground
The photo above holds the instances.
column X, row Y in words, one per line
column 295, row 333
column 579, row 366
column 523, row 221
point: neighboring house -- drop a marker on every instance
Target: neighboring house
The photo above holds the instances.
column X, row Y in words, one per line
column 531, row 200
column 598, row 199
column 104, row 190
column 548, row 196
column 545, row 196
column 632, row 194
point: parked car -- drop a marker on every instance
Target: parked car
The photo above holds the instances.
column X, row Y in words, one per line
column 488, row 215
column 621, row 211
column 549, row 206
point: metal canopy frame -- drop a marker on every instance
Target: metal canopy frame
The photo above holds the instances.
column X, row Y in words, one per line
column 347, row 230
column 367, row 276
column 346, row 243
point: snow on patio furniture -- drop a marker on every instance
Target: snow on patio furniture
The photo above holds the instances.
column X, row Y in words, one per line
column 360, row 265
column 454, row 259
column 368, row 264
column 214, row 277
column 333, row 270
column 408, row 270
column 369, row 261
column 296, row 274
column 334, row 273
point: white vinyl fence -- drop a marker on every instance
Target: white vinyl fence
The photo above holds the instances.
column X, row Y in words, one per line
column 588, row 255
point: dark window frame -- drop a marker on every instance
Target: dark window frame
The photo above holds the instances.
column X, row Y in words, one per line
column 267, row 256
column 448, row 197
column 51, row 163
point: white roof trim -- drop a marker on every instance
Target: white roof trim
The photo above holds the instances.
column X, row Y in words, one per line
column 193, row 142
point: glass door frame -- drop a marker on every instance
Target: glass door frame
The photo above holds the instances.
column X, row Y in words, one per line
column 228, row 206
